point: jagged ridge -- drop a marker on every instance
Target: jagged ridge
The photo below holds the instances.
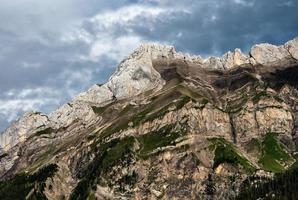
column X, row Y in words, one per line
column 135, row 75
column 159, row 100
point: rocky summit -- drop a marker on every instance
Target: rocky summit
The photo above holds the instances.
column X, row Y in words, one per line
column 166, row 126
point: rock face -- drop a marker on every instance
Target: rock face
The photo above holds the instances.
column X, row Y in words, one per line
column 165, row 126
column 268, row 54
column 19, row 131
column 273, row 116
column 228, row 61
column 136, row 73
column 291, row 46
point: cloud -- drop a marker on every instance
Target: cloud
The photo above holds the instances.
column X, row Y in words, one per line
column 112, row 27
column 15, row 102
column 52, row 50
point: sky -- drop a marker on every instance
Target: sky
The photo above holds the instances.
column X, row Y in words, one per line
column 51, row 50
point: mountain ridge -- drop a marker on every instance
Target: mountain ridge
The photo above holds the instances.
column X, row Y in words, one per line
column 259, row 54
column 157, row 102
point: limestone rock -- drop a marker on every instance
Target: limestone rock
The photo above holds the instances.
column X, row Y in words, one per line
column 266, row 54
column 95, row 95
column 20, row 130
column 228, row 61
column 213, row 63
column 213, row 122
column 292, row 47
column 233, row 59
column 273, row 116
column 80, row 108
column 245, row 124
column 70, row 113
column 136, row 73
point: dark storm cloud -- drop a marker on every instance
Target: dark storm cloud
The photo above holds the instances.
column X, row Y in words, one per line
column 215, row 26
column 52, row 50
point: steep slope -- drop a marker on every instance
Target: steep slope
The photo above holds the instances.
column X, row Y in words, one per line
column 165, row 126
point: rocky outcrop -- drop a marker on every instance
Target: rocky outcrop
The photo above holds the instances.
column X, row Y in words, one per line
column 273, row 116
column 245, row 123
column 292, row 47
column 72, row 112
column 233, row 59
column 228, row 61
column 20, row 130
column 96, row 95
column 269, row 115
column 211, row 122
column 266, row 54
column 136, row 74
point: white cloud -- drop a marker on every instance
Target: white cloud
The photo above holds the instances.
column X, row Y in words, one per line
column 28, row 65
column 12, row 108
column 74, row 78
column 244, row 2
column 14, row 102
column 31, row 92
column 106, row 47
column 125, row 15
column 107, row 41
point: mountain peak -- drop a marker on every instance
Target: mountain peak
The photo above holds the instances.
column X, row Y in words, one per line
column 140, row 72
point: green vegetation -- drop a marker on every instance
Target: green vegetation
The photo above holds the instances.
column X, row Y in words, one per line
column 177, row 96
column 264, row 94
column 259, row 96
column 116, row 153
column 98, row 110
column 91, row 196
column 128, row 179
column 159, row 107
column 204, row 101
column 171, row 98
column 188, row 92
column 181, row 102
column 156, row 109
column 107, row 155
column 226, row 152
column 277, row 98
column 126, row 109
column 145, row 115
column 160, row 138
column 117, row 150
column 295, row 156
column 282, row 187
column 274, row 156
column 45, row 132
column 21, row 184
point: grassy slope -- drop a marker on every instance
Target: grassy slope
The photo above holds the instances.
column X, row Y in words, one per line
column 112, row 153
column 162, row 137
column 227, row 152
column 275, row 157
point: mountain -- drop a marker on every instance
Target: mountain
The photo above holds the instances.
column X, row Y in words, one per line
column 166, row 126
